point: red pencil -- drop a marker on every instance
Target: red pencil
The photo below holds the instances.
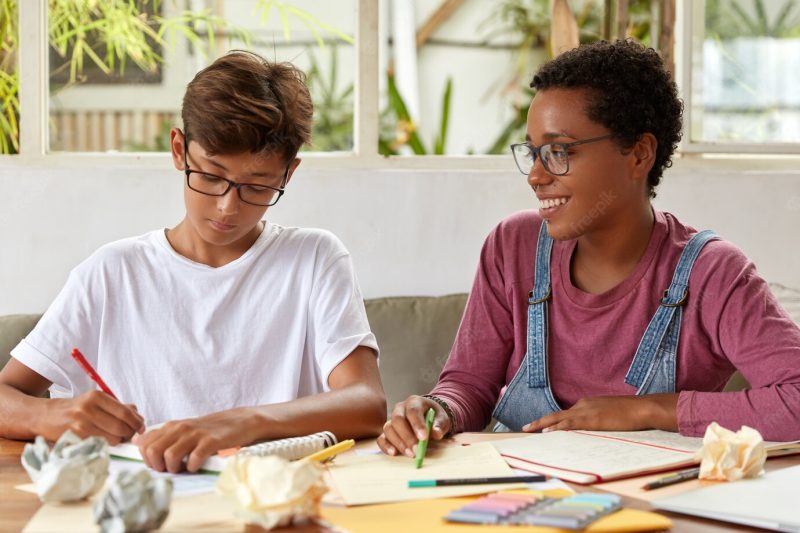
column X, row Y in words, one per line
column 78, row 356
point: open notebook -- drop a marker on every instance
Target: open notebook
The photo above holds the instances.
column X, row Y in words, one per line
column 587, row 457
column 290, row 448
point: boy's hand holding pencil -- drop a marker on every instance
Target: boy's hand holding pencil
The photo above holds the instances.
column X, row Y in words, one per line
column 93, row 413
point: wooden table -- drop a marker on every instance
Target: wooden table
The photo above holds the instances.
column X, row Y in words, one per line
column 17, row 507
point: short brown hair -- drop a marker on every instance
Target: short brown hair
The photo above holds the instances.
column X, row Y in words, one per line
column 244, row 103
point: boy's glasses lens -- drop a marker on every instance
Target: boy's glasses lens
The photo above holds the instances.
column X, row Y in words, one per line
column 215, row 186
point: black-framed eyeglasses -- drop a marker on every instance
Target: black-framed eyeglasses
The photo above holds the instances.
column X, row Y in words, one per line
column 554, row 156
column 249, row 193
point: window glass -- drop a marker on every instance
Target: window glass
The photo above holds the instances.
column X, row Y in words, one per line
column 455, row 75
column 118, row 70
column 9, row 78
column 745, row 79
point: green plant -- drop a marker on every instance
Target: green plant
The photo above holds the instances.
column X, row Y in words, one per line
column 514, row 130
column 399, row 128
column 333, row 108
column 529, row 22
column 112, row 33
column 108, row 34
column 9, row 79
column 727, row 19
column 640, row 21
column 314, row 25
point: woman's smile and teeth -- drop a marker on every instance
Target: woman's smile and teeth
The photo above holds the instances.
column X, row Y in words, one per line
column 552, row 205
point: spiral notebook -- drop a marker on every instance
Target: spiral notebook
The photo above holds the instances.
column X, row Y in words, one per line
column 291, row 449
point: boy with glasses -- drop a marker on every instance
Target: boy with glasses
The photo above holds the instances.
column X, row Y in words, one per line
column 227, row 328
column 597, row 311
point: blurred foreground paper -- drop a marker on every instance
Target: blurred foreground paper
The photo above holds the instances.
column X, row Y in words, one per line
column 73, row 470
column 134, row 501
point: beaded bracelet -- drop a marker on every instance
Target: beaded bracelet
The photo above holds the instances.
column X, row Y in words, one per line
column 447, row 410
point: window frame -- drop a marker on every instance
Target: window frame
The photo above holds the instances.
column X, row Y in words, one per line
column 690, row 36
column 34, row 145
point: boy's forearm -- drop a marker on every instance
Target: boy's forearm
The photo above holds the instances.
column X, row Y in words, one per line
column 21, row 415
column 353, row 412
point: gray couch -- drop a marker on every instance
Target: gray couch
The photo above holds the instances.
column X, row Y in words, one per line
column 415, row 334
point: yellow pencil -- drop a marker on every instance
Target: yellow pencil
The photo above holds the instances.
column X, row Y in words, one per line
column 329, row 452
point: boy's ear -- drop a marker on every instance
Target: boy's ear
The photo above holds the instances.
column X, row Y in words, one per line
column 176, row 142
column 292, row 167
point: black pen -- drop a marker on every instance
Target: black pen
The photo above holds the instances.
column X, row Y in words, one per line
column 418, row 483
column 677, row 477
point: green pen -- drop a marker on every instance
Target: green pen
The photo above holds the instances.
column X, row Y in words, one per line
column 422, row 447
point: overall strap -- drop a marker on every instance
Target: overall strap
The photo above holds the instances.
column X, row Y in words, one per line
column 537, row 312
column 668, row 310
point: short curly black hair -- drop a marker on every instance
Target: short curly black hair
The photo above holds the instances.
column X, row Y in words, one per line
column 631, row 93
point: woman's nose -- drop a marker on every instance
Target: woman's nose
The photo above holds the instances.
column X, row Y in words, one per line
column 538, row 175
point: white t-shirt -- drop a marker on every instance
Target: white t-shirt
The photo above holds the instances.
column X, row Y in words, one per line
column 181, row 339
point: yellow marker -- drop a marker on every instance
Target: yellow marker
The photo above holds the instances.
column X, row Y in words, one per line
column 329, row 452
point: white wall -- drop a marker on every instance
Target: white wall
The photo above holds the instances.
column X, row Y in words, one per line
column 410, row 232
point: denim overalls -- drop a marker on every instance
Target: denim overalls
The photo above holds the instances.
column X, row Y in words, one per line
column 529, row 397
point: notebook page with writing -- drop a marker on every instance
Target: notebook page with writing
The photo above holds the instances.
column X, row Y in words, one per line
column 590, row 457
column 587, row 457
column 669, row 439
column 291, row 448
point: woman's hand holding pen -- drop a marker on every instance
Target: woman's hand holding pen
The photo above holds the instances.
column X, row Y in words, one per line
column 613, row 413
column 91, row 413
column 186, row 444
column 406, row 426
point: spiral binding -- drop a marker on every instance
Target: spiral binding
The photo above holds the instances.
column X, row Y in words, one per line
column 292, row 448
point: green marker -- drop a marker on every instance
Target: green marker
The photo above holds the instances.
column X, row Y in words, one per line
column 422, row 447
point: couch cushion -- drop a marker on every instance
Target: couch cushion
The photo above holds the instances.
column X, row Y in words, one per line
column 415, row 334
column 13, row 329
column 789, row 298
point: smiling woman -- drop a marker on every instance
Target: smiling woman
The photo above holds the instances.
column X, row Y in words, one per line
column 599, row 311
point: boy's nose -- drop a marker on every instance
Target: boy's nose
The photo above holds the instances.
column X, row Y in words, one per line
column 229, row 203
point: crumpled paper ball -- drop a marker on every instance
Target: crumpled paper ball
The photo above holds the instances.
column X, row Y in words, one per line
column 73, row 470
column 728, row 456
column 135, row 501
column 270, row 491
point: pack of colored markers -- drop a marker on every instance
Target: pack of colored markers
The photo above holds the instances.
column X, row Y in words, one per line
column 573, row 512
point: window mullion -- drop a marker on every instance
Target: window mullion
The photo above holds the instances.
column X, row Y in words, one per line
column 365, row 127
column 33, row 78
column 683, row 65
